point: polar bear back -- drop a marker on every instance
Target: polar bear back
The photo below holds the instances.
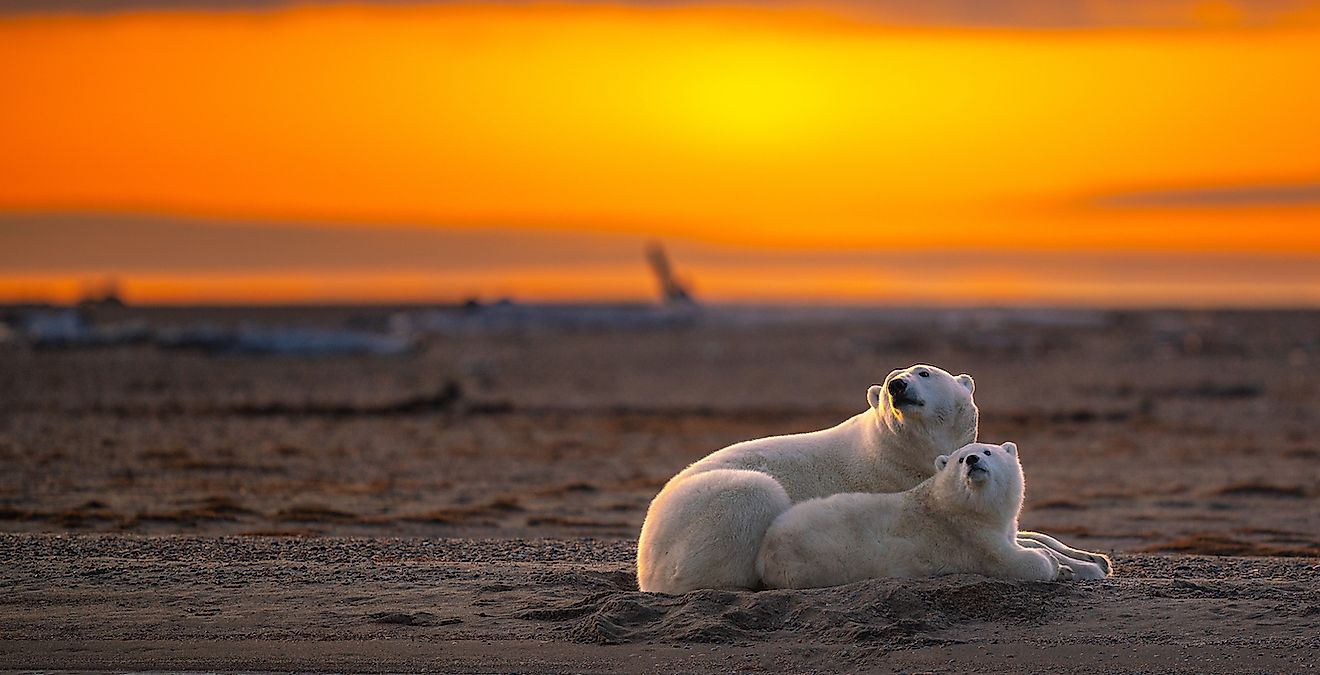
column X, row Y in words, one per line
column 942, row 526
column 807, row 465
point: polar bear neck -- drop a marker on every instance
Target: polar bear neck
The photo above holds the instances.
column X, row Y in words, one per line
column 910, row 447
column 993, row 507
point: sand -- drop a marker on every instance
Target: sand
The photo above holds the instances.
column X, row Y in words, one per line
column 474, row 507
column 333, row 604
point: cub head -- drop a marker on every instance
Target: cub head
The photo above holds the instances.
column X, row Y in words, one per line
column 930, row 403
column 982, row 477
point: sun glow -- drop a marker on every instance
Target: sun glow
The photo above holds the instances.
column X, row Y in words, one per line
column 783, row 128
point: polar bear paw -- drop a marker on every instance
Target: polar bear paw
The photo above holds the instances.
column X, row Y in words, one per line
column 1102, row 561
column 1079, row 570
column 1065, row 573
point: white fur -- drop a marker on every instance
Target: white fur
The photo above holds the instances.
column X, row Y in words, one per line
column 705, row 527
column 961, row 520
column 1084, row 564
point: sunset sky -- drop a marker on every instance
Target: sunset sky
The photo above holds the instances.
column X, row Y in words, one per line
column 1070, row 152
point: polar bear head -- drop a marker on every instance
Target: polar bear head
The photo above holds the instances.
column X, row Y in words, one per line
column 981, row 478
column 928, row 403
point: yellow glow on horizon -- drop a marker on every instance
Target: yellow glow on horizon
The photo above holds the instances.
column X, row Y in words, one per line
column 756, row 127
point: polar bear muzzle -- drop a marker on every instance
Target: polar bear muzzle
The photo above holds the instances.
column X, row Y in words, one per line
column 901, row 394
column 976, row 471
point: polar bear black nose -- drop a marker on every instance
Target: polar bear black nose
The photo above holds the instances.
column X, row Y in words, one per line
column 972, row 460
column 897, row 387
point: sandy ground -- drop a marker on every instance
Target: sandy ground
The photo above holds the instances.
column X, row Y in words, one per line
column 518, row 467
column 333, row 604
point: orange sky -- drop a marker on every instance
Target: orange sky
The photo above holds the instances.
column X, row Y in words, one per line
column 715, row 125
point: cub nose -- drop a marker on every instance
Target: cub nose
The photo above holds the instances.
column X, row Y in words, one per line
column 897, row 387
column 973, row 460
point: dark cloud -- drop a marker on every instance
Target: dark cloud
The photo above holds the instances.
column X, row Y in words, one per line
column 74, row 241
column 1042, row 14
column 1235, row 196
column 134, row 244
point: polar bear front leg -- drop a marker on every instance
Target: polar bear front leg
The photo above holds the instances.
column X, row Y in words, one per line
column 705, row 531
column 1041, row 540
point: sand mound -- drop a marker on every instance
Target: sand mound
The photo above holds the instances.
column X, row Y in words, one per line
column 892, row 613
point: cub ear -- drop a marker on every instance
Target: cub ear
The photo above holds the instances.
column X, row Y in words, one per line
column 873, row 395
column 967, row 381
column 1011, row 447
column 940, row 462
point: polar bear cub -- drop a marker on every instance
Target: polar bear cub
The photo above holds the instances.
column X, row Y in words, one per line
column 964, row 519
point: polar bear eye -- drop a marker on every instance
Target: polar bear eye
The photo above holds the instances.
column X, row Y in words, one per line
column 987, row 453
column 960, row 459
column 924, row 373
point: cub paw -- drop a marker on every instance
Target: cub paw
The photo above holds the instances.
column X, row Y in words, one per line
column 1065, row 573
column 1102, row 561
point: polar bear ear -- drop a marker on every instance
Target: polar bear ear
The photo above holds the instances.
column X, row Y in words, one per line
column 1011, row 447
column 873, row 395
column 941, row 462
column 967, row 381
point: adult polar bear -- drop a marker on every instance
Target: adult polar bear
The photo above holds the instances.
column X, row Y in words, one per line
column 704, row 529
